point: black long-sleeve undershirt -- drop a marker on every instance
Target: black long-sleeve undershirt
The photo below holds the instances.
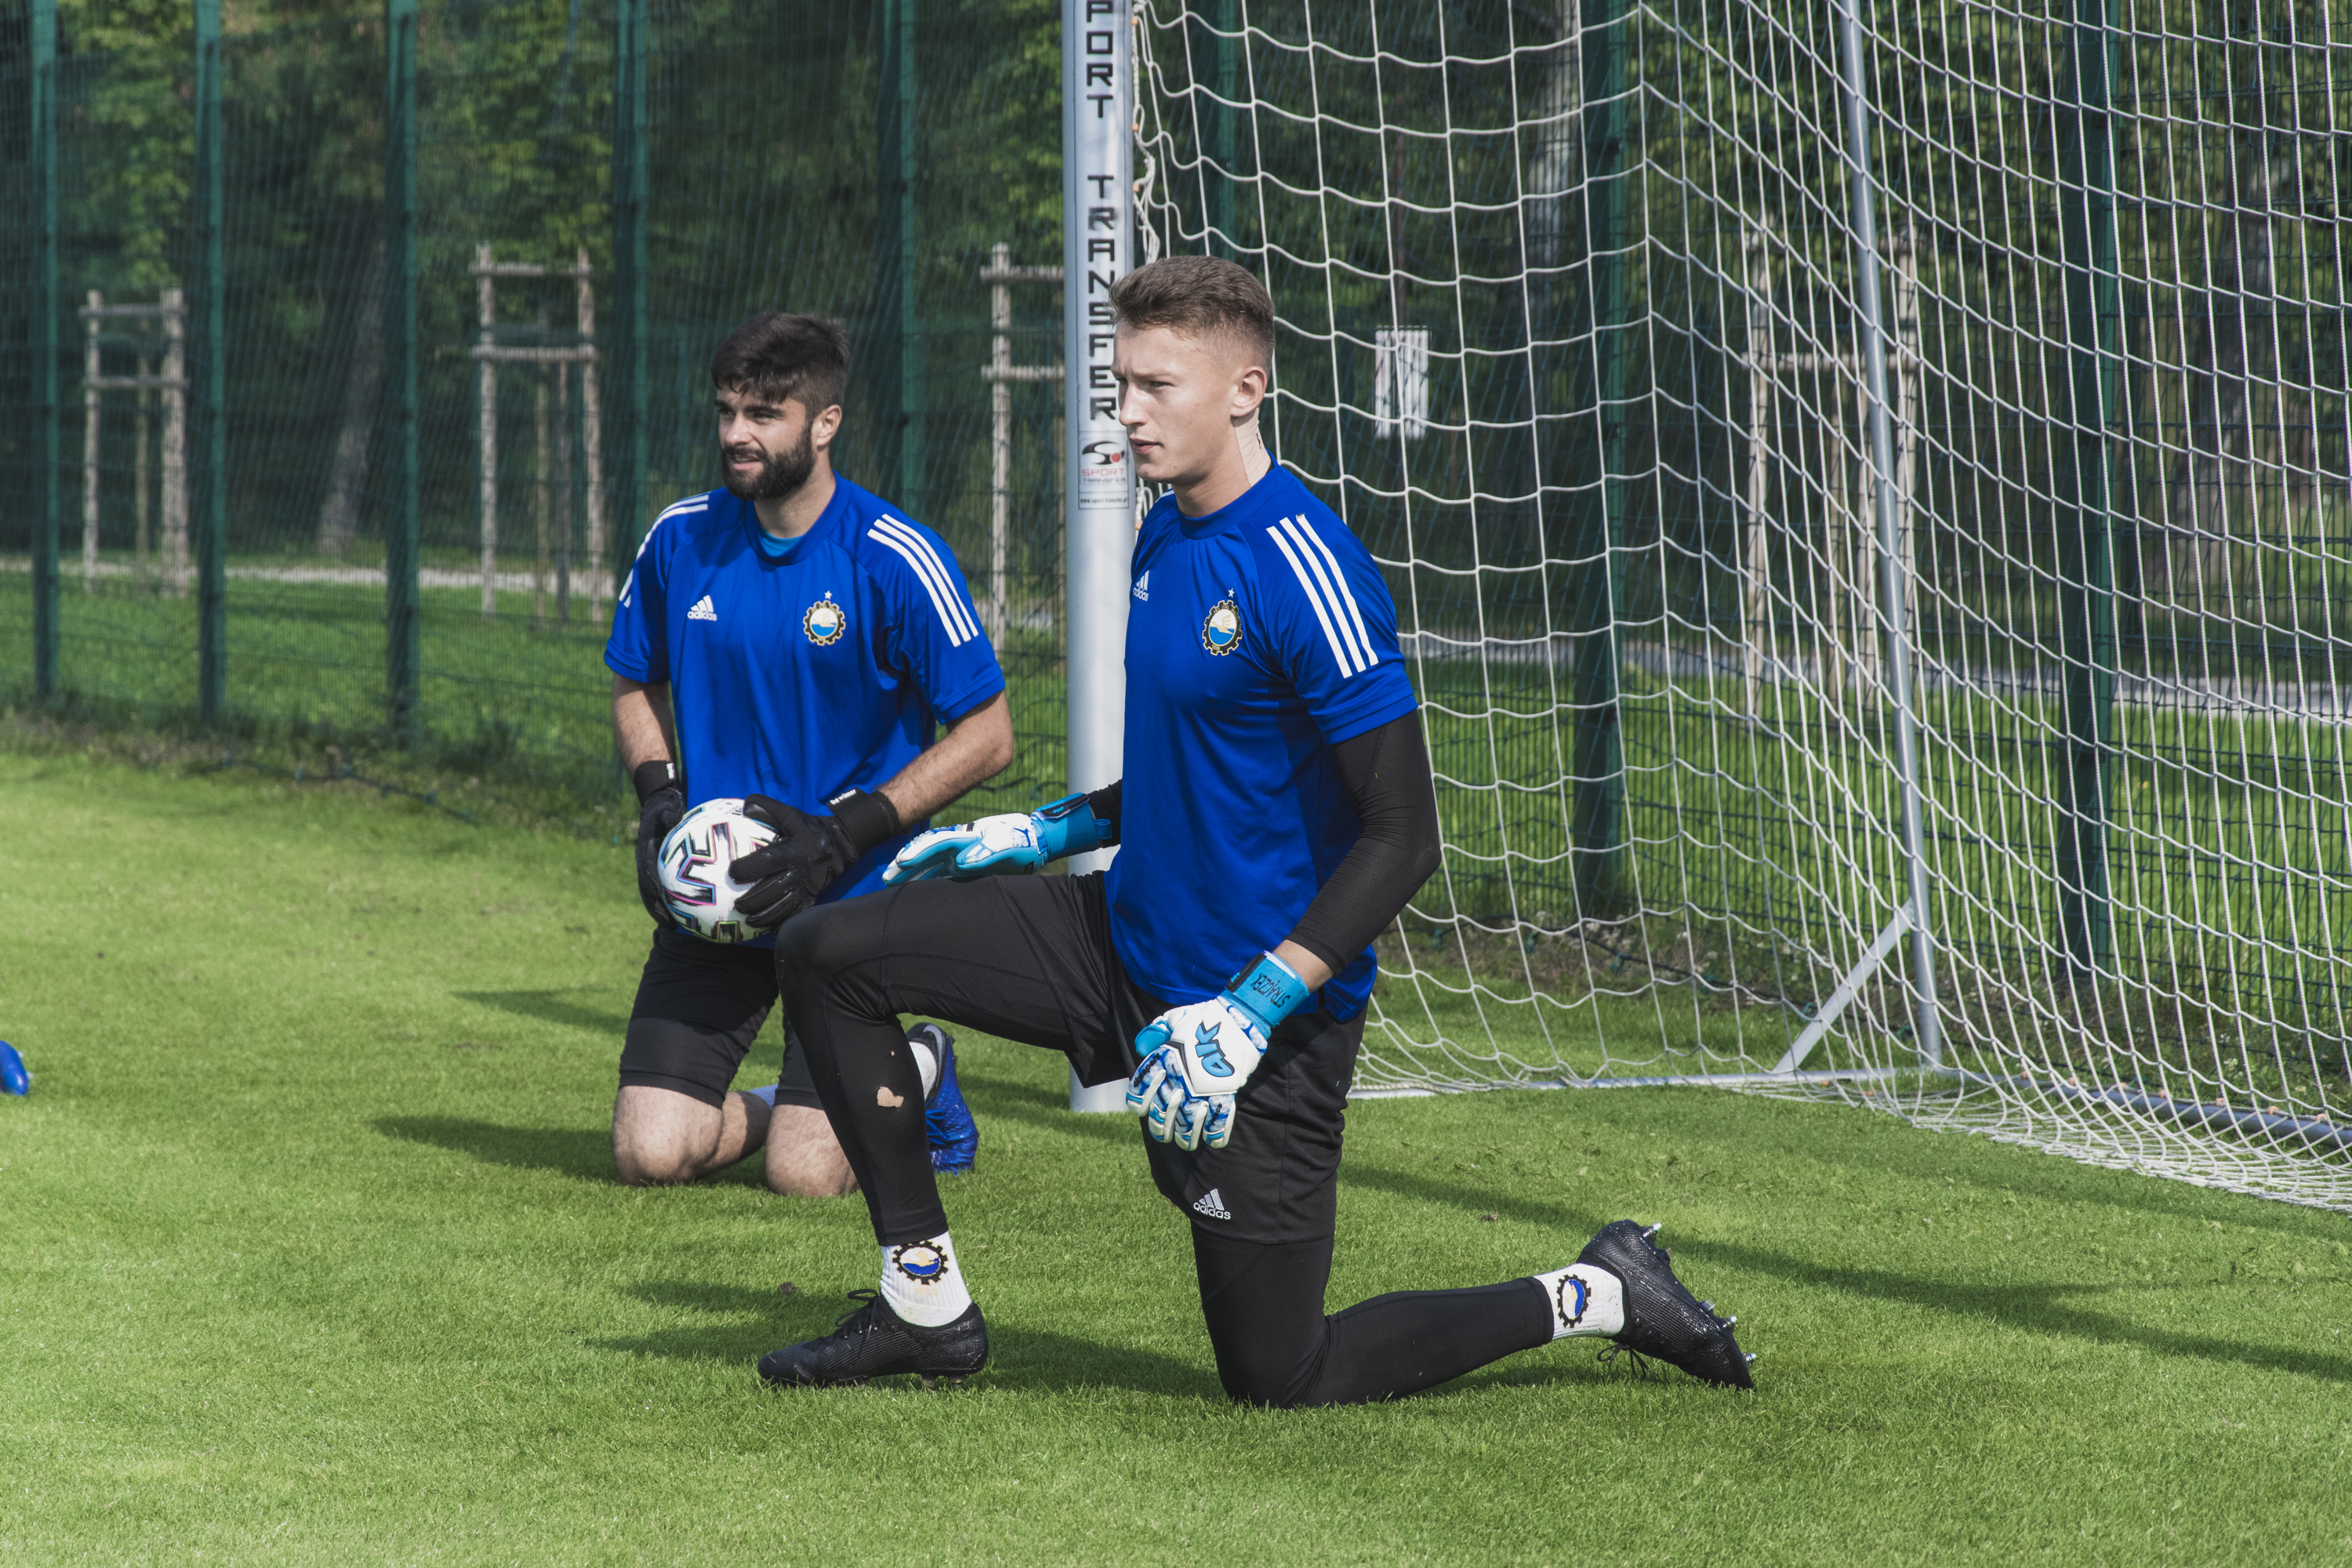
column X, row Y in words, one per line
column 1386, row 771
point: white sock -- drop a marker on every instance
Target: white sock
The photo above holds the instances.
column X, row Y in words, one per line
column 765, row 1095
column 1584, row 1301
column 922, row 1283
column 927, row 1062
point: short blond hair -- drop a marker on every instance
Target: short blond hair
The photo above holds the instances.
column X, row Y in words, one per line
column 1199, row 297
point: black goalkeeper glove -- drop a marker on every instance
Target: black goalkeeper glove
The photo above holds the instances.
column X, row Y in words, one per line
column 660, row 803
column 809, row 852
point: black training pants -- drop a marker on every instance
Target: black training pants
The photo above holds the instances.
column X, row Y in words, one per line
column 1031, row 959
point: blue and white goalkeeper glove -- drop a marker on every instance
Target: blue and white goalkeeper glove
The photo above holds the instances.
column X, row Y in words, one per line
column 996, row 846
column 1197, row 1057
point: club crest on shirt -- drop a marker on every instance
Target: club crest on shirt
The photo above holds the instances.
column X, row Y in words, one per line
column 825, row 622
column 1222, row 632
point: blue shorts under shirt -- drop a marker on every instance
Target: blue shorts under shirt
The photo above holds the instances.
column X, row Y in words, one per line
column 800, row 668
column 1258, row 637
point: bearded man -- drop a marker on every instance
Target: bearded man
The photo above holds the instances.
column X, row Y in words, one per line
column 795, row 641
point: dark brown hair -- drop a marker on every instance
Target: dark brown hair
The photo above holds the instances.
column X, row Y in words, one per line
column 1199, row 297
column 773, row 356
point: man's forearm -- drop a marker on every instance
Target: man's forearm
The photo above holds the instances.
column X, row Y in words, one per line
column 1398, row 848
column 976, row 748
column 639, row 730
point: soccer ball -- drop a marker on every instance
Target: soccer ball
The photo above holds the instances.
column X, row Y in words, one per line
column 693, row 860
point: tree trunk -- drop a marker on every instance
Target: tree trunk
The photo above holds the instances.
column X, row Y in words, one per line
column 339, row 513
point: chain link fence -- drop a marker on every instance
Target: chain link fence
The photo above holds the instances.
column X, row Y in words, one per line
column 405, row 321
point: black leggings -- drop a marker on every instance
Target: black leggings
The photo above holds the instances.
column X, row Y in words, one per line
column 1031, row 959
column 1263, row 1303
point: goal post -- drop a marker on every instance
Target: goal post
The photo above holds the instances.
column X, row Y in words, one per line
column 1866, row 492
column 1099, row 235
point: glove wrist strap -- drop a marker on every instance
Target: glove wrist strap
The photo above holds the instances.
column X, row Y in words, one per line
column 866, row 817
column 652, row 778
column 1269, row 991
column 1070, row 826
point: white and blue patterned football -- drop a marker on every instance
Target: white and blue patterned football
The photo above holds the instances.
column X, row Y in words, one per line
column 693, row 860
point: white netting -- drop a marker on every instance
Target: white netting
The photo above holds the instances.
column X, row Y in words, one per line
column 1572, row 334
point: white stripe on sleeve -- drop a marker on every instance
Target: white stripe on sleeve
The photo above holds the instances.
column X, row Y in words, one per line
column 962, row 619
column 1304, row 538
column 676, row 509
column 1346, row 595
column 914, row 550
column 1339, row 650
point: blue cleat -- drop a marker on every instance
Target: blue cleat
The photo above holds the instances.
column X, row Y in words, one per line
column 15, row 1080
column 954, row 1135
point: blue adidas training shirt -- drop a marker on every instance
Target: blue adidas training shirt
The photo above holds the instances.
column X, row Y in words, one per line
column 801, row 668
column 1259, row 636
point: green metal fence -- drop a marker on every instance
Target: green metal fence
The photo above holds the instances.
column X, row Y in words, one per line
column 386, row 521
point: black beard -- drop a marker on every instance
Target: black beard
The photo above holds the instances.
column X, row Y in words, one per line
column 779, row 476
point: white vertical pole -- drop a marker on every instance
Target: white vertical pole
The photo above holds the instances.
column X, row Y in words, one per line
column 567, row 502
column 592, row 430
column 1866, row 655
column 542, row 498
column 89, row 433
column 1098, row 247
column 1837, row 548
column 175, row 441
column 1928, row 1027
column 1906, row 370
column 1760, row 430
column 1000, row 442
column 141, row 479
column 486, row 298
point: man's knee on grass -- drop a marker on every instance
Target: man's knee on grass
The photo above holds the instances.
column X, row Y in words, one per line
column 1263, row 1305
column 662, row 1137
column 1267, row 1386
column 804, row 1160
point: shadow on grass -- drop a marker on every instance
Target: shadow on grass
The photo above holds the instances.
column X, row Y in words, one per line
column 2010, row 1302
column 551, row 1007
column 583, row 1152
column 747, row 1323
column 1854, row 1135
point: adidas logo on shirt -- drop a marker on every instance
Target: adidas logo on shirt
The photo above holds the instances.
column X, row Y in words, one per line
column 1211, row 1206
column 1143, row 586
column 703, row 610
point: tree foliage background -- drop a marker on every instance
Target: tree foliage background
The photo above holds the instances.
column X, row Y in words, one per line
column 763, row 169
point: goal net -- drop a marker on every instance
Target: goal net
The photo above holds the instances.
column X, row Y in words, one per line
column 1866, row 498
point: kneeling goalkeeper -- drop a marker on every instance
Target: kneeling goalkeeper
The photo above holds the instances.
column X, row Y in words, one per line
column 1276, row 813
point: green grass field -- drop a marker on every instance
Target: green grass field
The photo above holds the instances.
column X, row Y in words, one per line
column 312, row 1254
column 2227, row 879
column 527, row 711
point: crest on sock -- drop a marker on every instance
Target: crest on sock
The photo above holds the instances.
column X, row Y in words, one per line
column 921, row 1262
column 1570, row 1299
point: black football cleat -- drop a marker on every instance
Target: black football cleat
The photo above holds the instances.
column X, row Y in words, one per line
column 1663, row 1320
column 874, row 1341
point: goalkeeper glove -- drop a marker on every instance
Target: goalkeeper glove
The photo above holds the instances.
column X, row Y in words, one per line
column 997, row 845
column 808, row 853
column 660, row 803
column 1197, row 1057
